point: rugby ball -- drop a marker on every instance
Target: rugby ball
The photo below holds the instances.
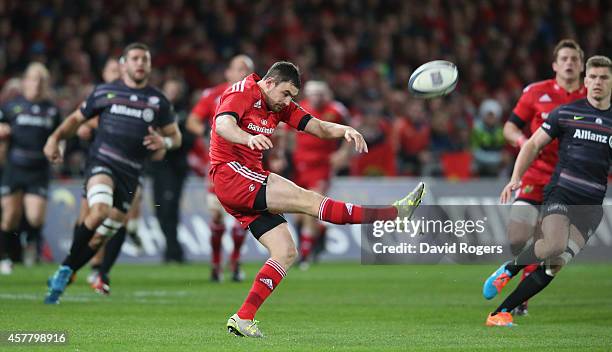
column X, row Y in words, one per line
column 433, row 79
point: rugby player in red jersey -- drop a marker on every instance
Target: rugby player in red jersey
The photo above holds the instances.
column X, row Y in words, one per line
column 247, row 115
column 315, row 159
column 240, row 66
column 537, row 100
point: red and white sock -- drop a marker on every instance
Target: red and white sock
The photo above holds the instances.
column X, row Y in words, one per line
column 238, row 235
column 216, row 235
column 267, row 279
column 342, row 213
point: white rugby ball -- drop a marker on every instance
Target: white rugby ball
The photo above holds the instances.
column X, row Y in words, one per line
column 433, row 79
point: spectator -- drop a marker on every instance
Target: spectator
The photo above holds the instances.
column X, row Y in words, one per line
column 488, row 139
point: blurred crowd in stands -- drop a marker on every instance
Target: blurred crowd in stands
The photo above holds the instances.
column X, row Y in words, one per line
column 365, row 50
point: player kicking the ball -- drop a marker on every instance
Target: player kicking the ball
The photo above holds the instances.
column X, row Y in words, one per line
column 246, row 117
column 573, row 198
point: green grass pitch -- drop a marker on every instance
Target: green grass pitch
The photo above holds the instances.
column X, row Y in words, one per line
column 331, row 307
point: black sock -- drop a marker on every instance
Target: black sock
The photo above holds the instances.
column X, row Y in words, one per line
column 526, row 257
column 34, row 236
column 111, row 251
column 80, row 252
column 528, row 288
column 4, row 240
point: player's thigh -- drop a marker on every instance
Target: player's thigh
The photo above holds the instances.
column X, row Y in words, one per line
column 35, row 207
column 12, row 205
column 280, row 244
column 555, row 230
column 284, row 196
column 99, row 200
column 523, row 221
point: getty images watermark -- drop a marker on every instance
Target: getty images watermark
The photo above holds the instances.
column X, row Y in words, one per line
column 452, row 234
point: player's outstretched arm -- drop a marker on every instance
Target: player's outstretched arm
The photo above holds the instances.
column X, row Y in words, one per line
column 330, row 130
column 527, row 155
column 65, row 130
column 227, row 128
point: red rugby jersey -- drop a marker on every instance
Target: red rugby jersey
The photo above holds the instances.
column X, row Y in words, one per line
column 539, row 99
column 244, row 100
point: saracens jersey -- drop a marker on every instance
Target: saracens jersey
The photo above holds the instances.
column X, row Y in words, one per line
column 208, row 102
column 533, row 108
column 311, row 149
column 245, row 102
column 585, row 148
column 125, row 116
column 31, row 124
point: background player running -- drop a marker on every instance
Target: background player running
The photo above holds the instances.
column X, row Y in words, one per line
column 316, row 160
column 26, row 122
column 532, row 109
column 201, row 115
column 247, row 116
column 129, row 110
column 106, row 256
column 572, row 202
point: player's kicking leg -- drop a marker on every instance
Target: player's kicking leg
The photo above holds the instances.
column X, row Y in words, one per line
column 284, row 196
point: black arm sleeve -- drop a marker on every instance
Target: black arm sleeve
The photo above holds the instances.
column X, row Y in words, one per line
column 515, row 119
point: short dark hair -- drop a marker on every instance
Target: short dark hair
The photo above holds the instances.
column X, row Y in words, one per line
column 568, row 43
column 133, row 46
column 285, row 71
column 599, row 61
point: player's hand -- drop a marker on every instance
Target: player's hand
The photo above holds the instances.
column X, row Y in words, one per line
column 153, row 141
column 351, row 135
column 259, row 142
column 5, row 130
column 506, row 194
column 53, row 152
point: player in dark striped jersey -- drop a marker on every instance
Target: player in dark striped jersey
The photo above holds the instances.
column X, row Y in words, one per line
column 26, row 122
column 573, row 198
column 130, row 115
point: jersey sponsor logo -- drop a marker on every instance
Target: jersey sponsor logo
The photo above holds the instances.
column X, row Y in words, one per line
column 37, row 121
column 254, row 127
column 545, row 98
column 267, row 282
column 578, row 117
column 590, row 136
column 146, row 114
column 257, row 104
